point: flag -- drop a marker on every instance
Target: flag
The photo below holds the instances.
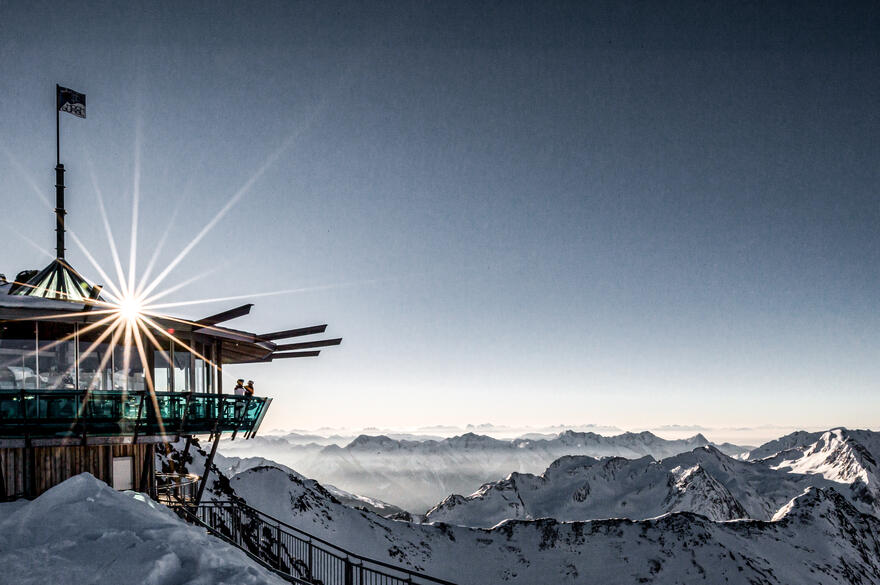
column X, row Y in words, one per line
column 71, row 102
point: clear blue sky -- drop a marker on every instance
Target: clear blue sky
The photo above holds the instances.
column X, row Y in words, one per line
column 619, row 213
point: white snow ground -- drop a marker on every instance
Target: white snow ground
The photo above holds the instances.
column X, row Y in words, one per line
column 83, row 532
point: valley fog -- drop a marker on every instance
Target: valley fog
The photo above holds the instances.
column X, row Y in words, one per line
column 417, row 474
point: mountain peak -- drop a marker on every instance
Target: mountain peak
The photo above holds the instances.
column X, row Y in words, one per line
column 814, row 502
column 372, row 441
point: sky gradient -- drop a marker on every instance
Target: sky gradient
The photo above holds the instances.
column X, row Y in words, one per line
column 617, row 213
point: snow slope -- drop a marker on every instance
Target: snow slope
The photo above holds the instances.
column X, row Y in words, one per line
column 229, row 466
column 82, row 532
column 817, row 537
column 704, row 481
column 849, row 458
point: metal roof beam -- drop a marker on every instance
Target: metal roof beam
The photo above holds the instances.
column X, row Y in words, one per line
column 309, row 344
column 294, row 332
column 226, row 315
column 294, row 354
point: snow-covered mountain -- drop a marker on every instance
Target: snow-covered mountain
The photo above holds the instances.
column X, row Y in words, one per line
column 582, row 488
column 816, row 537
column 417, row 474
column 230, row 466
column 846, row 457
column 82, row 531
column 704, row 481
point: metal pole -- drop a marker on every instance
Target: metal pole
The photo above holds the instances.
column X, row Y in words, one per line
column 59, row 211
column 57, row 126
column 59, row 185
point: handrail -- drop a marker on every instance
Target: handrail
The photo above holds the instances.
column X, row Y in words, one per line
column 171, row 487
column 187, row 515
column 280, row 541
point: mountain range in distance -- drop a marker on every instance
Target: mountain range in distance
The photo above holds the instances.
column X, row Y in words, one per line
column 740, row 435
column 800, row 509
column 704, row 481
column 416, row 474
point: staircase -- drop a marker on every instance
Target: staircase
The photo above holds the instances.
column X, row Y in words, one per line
column 292, row 554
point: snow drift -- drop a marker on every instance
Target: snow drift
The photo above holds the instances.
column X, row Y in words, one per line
column 82, row 531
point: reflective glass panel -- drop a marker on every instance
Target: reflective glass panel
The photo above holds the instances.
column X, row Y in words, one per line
column 128, row 371
column 162, row 368
column 95, row 360
column 18, row 356
column 56, row 356
column 182, row 367
column 200, row 375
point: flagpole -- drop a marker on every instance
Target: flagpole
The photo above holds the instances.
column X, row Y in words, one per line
column 59, row 183
column 57, row 127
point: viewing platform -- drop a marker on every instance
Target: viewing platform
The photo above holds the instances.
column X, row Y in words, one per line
column 46, row 417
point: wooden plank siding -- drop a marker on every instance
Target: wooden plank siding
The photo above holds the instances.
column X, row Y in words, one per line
column 52, row 465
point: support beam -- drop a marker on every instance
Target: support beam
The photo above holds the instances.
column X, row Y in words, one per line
column 207, row 472
column 30, row 473
column 226, row 315
column 294, row 354
column 145, row 469
column 309, row 344
column 294, row 332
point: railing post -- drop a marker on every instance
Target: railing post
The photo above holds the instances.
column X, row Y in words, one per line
column 349, row 574
column 238, row 538
column 311, row 572
column 278, row 546
column 137, row 421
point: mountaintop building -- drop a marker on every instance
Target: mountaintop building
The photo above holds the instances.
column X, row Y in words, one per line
column 82, row 390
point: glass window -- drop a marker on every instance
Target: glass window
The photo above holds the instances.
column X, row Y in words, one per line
column 182, row 368
column 162, row 371
column 209, row 367
column 128, row 371
column 18, row 356
column 201, row 375
column 56, row 356
column 95, row 361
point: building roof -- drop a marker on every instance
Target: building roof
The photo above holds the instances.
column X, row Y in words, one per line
column 42, row 297
column 57, row 281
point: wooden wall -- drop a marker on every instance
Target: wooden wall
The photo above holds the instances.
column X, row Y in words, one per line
column 49, row 466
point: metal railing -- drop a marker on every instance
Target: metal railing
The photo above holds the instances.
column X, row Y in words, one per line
column 176, row 488
column 294, row 553
column 77, row 413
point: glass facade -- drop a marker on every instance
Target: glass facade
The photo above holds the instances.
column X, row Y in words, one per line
column 128, row 369
column 162, row 367
column 182, row 369
column 50, row 355
column 56, row 356
column 18, row 356
column 63, row 380
column 95, row 361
